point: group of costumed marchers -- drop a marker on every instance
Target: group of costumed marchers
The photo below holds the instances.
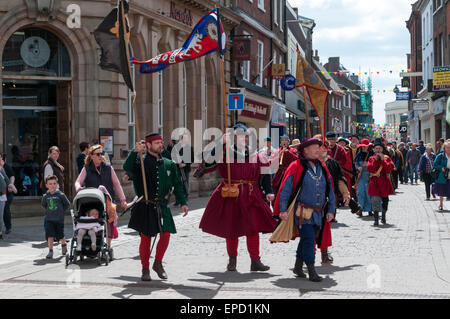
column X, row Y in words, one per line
column 304, row 205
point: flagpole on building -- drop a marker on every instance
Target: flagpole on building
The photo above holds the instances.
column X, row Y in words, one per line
column 128, row 48
column 224, row 99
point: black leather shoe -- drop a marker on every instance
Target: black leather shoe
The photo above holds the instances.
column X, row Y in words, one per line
column 298, row 268
column 313, row 276
column 232, row 264
column 145, row 274
column 257, row 265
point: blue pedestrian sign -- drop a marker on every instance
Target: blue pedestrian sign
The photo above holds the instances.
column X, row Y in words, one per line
column 235, row 102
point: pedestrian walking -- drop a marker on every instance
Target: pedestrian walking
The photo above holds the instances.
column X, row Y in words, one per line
column 153, row 216
column 184, row 158
column 84, row 149
column 365, row 152
column 10, row 191
column 268, row 149
column 404, row 148
column 4, row 184
column 337, row 152
column 307, row 188
column 421, row 147
column 380, row 186
column 441, row 186
column 52, row 167
column 97, row 172
column 237, row 207
column 426, row 169
column 413, row 159
column 55, row 203
column 286, row 155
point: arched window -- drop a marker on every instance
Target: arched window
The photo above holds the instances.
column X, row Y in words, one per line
column 36, row 79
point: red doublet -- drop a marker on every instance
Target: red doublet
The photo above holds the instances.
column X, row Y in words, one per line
column 338, row 153
column 380, row 186
column 290, row 155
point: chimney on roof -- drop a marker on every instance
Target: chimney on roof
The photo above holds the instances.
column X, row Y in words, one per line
column 316, row 56
column 296, row 11
column 334, row 64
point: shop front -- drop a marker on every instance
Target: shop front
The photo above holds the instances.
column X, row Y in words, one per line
column 36, row 89
column 257, row 112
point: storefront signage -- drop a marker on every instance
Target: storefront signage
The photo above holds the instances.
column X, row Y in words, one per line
column 242, row 50
column 278, row 71
column 421, row 106
column 441, row 78
column 256, row 110
column 107, row 141
column 406, row 83
column 288, row 83
column 403, row 96
column 180, row 15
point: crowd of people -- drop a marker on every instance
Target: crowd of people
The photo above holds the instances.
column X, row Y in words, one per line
column 300, row 199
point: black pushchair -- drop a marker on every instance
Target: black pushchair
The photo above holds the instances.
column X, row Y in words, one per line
column 85, row 200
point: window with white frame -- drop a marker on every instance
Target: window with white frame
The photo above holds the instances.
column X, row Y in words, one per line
column 261, row 5
column 260, row 61
column 245, row 67
column 160, row 102
column 281, row 15
column 275, row 11
column 274, row 61
column 279, row 86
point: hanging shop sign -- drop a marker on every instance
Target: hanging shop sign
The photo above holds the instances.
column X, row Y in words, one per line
column 278, row 71
column 242, row 49
column 403, row 96
column 421, row 106
column 441, row 78
column 288, row 82
column 256, row 110
column 406, row 83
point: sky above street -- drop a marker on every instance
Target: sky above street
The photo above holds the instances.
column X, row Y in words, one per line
column 368, row 36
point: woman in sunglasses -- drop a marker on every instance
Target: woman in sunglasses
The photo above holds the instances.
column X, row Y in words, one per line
column 96, row 172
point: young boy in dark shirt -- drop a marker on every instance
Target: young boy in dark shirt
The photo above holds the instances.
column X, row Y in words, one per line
column 55, row 204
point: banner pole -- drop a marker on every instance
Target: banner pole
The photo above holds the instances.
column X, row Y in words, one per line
column 308, row 126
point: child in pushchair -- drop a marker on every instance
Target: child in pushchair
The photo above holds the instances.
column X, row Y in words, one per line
column 88, row 225
column 89, row 213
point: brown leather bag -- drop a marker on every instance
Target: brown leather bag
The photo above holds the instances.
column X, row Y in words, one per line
column 230, row 191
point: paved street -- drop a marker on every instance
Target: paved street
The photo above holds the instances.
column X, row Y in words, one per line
column 408, row 258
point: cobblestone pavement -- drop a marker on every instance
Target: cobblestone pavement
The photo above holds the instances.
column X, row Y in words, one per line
column 407, row 258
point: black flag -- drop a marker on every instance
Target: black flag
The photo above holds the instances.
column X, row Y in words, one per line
column 113, row 36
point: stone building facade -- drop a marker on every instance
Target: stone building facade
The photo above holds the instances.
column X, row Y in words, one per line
column 54, row 93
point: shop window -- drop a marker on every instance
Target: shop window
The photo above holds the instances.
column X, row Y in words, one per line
column 35, row 52
column 36, row 105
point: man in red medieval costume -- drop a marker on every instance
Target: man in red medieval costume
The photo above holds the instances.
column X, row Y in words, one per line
column 246, row 214
column 285, row 155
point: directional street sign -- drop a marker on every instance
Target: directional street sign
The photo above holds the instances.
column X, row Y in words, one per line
column 235, row 102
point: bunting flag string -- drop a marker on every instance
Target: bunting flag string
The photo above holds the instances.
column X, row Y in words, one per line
column 367, row 73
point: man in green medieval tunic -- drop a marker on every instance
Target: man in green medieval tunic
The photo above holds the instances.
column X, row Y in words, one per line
column 152, row 216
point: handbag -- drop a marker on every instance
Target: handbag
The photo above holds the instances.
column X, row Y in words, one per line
column 230, row 190
column 286, row 229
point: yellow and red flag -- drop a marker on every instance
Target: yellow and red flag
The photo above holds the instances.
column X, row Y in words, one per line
column 317, row 91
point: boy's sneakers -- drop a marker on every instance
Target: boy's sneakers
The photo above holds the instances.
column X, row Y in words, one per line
column 50, row 254
column 8, row 230
column 64, row 249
